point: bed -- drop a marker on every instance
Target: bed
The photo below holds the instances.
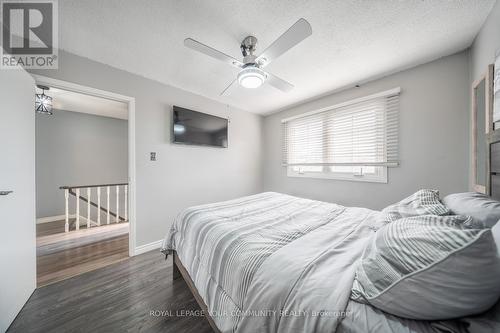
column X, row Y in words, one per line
column 277, row 263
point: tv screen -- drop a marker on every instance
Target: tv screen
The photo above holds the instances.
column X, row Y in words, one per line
column 196, row 128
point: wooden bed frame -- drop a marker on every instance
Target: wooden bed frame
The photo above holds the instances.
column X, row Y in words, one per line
column 178, row 272
column 494, row 164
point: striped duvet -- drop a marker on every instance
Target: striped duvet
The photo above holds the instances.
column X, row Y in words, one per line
column 272, row 262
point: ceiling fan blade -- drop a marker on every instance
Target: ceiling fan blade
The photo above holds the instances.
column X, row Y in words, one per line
column 278, row 83
column 229, row 88
column 299, row 31
column 209, row 51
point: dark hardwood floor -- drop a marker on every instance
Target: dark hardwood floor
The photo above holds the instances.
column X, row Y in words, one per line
column 122, row 297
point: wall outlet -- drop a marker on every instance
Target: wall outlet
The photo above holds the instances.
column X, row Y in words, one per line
column 152, row 156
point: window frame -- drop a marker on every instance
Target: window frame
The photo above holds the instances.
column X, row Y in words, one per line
column 380, row 176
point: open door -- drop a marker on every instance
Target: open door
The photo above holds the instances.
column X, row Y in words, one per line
column 17, row 196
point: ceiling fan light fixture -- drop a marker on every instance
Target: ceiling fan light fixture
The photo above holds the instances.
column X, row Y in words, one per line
column 251, row 77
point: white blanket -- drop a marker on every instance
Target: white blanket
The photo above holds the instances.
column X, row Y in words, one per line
column 272, row 262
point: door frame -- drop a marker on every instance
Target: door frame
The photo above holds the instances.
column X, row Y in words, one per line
column 130, row 101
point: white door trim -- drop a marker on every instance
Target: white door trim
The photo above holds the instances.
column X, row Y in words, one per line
column 65, row 85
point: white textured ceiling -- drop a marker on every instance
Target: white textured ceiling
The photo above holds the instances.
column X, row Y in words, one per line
column 76, row 102
column 352, row 41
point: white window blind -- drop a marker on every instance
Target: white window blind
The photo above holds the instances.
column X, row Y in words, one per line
column 363, row 132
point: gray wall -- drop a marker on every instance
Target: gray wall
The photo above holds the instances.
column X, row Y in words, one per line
column 483, row 50
column 77, row 149
column 486, row 44
column 182, row 176
column 434, row 125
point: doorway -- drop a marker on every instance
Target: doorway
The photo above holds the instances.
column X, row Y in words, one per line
column 85, row 176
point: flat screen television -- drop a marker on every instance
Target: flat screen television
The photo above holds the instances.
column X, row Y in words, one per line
column 195, row 128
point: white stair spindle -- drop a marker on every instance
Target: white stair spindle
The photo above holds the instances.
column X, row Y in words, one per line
column 88, row 206
column 107, row 195
column 125, row 189
column 117, row 204
column 98, row 206
column 66, row 199
column 77, row 209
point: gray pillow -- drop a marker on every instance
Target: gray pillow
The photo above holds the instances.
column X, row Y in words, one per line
column 479, row 206
column 430, row 268
column 423, row 202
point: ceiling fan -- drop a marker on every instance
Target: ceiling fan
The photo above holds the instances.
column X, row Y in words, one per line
column 251, row 73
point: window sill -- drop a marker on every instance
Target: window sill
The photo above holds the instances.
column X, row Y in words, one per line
column 375, row 178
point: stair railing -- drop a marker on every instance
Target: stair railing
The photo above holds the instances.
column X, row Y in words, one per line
column 76, row 192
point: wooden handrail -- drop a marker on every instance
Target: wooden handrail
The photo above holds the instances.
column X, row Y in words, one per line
column 94, row 204
column 86, row 186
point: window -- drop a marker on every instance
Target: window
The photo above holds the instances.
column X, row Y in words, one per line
column 356, row 140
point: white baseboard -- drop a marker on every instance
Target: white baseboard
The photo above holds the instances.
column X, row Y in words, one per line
column 83, row 219
column 53, row 218
column 148, row 247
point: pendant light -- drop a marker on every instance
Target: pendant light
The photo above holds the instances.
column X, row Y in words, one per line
column 43, row 103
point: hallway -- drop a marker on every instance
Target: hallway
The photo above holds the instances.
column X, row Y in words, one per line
column 63, row 255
